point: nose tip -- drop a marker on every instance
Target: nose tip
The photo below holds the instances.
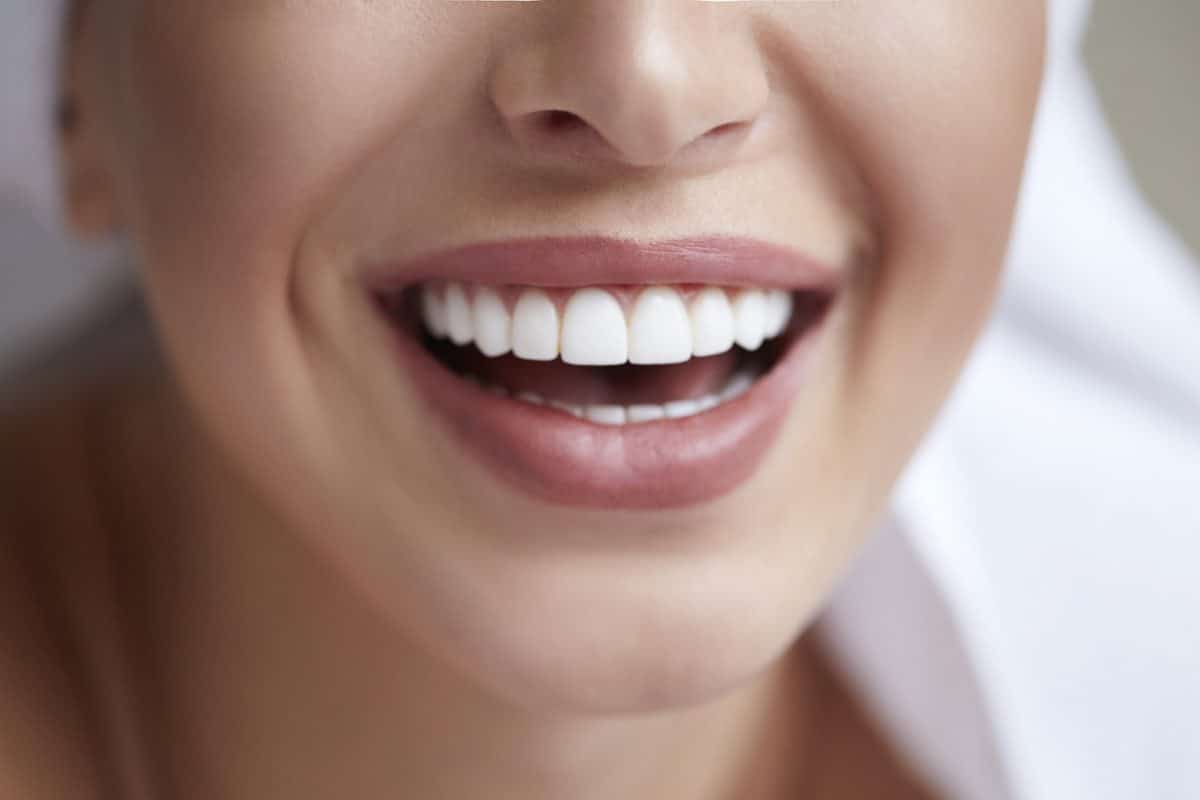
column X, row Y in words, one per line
column 635, row 86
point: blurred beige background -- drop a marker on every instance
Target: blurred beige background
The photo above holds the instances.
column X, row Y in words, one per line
column 1144, row 54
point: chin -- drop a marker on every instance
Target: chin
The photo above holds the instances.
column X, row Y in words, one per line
column 605, row 635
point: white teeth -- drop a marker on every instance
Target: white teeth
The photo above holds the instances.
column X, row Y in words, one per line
column 570, row 408
column 660, row 331
column 592, row 330
column 646, row 413
column 749, row 313
column 737, row 387
column 607, row 415
column 535, row 327
column 433, row 310
column 712, row 323
column 682, row 408
column 778, row 312
column 639, row 414
column 490, row 318
column 594, row 333
column 458, row 315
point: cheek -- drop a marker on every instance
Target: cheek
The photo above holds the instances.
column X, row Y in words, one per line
column 242, row 125
column 238, row 128
column 941, row 141
column 935, row 111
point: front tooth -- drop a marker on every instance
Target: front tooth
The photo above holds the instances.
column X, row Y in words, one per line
column 607, row 415
column 594, row 332
column 458, row 315
column 660, row 331
column 535, row 327
column 433, row 310
column 712, row 323
column 491, row 323
column 749, row 312
column 778, row 313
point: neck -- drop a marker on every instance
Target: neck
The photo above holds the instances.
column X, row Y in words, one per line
column 278, row 679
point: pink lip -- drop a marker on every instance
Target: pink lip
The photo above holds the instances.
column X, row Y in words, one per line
column 566, row 461
column 598, row 261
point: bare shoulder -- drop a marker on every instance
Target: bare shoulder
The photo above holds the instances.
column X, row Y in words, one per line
column 60, row 652
column 46, row 749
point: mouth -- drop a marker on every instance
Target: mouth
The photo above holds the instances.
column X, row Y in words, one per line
column 602, row 373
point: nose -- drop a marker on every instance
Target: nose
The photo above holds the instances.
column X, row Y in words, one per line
column 642, row 83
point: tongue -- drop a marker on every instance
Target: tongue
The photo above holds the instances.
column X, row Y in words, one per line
column 625, row 385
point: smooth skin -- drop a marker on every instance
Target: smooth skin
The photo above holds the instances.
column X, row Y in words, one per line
column 319, row 594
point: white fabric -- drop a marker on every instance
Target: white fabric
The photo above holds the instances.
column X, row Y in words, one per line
column 898, row 644
column 1034, row 589
column 1056, row 504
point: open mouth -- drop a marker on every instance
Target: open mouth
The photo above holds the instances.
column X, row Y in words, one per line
column 605, row 373
column 615, row 356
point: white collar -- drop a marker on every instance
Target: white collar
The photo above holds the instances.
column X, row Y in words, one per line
column 909, row 662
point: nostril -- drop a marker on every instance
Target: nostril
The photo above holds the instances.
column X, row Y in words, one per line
column 563, row 134
column 727, row 128
column 557, row 120
column 557, row 131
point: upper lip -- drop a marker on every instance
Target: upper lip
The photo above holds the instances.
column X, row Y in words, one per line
column 566, row 262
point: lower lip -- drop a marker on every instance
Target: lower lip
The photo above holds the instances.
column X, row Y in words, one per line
column 562, row 460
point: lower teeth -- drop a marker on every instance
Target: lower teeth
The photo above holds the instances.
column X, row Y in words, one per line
column 636, row 414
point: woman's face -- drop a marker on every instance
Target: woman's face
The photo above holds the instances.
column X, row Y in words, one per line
column 288, row 168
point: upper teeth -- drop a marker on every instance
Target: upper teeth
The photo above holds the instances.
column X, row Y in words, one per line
column 591, row 327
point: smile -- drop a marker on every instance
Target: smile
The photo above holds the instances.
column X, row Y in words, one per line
column 606, row 373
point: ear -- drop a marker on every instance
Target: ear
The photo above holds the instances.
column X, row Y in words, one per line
column 90, row 201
